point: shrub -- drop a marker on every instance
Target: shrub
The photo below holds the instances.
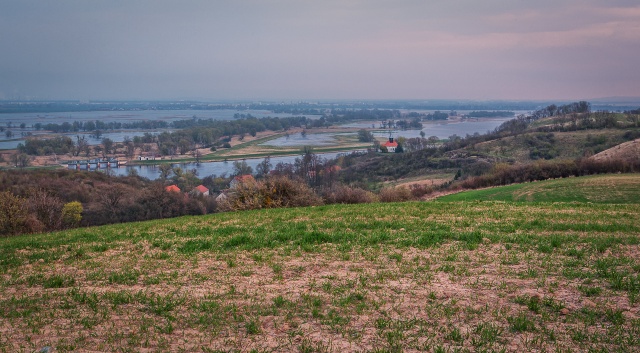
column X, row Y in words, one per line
column 419, row 190
column 398, row 194
column 13, row 215
column 47, row 209
column 273, row 192
column 345, row 194
column 284, row 192
column 72, row 214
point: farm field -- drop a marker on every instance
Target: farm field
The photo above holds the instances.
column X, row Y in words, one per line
column 610, row 188
column 430, row 276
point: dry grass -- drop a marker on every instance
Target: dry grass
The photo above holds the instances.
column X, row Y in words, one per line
column 626, row 151
column 425, row 277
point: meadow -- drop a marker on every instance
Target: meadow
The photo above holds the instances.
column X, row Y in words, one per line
column 609, row 188
column 418, row 276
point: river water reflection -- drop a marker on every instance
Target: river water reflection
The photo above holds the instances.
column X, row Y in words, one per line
column 30, row 119
column 218, row 168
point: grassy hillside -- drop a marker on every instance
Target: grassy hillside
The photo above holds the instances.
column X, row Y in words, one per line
column 560, row 138
column 433, row 277
column 612, row 188
column 564, row 145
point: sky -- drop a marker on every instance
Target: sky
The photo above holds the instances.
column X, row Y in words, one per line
column 329, row 49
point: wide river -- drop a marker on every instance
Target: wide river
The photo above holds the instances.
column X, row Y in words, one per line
column 441, row 130
column 29, row 119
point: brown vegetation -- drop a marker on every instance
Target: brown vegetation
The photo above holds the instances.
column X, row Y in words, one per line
column 44, row 200
column 273, row 192
column 504, row 174
column 626, row 151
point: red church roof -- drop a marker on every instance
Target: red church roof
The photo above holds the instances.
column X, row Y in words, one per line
column 390, row 144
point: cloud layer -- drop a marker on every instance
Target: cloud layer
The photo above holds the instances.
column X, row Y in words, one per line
column 291, row 49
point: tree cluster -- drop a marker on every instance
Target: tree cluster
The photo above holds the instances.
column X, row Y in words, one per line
column 44, row 147
column 490, row 114
column 45, row 200
column 99, row 125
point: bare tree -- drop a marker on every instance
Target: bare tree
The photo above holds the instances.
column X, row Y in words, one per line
column 107, row 143
column 165, row 171
column 196, row 155
column 110, row 198
column 46, row 208
column 264, row 167
column 20, row 160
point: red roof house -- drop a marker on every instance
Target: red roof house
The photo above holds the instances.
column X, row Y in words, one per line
column 201, row 189
column 172, row 188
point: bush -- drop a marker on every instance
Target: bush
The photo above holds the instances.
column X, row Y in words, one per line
column 273, row 192
column 72, row 214
column 285, row 192
column 418, row 190
column 47, row 209
column 398, row 194
column 345, row 194
column 13, row 215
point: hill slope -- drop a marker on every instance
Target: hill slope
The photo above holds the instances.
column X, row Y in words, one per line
column 612, row 188
column 383, row 277
column 627, row 151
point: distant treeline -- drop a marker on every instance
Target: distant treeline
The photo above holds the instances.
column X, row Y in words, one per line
column 228, row 126
column 98, row 125
column 342, row 115
column 437, row 115
column 315, row 108
column 489, row 114
column 553, row 110
column 44, row 147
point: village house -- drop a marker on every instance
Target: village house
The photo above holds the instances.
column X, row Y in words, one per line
column 200, row 190
column 148, row 158
column 223, row 196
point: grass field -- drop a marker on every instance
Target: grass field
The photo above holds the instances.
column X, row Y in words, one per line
column 430, row 276
column 610, row 188
column 259, row 148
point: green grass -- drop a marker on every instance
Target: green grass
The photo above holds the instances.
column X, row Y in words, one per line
column 269, row 151
column 417, row 276
column 618, row 188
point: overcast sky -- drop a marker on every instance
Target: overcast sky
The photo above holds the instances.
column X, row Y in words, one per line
column 328, row 49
